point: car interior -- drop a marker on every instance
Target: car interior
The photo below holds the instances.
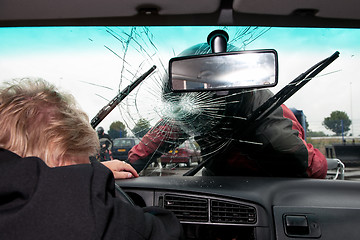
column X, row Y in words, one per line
column 223, row 207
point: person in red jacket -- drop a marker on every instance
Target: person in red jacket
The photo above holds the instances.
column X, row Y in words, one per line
column 275, row 147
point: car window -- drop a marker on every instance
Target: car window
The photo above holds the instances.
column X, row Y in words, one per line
column 120, row 142
column 96, row 64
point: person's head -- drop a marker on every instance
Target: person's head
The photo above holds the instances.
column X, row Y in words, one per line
column 100, row 131
column 38, row 120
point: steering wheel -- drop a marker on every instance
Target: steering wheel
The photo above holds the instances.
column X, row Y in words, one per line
column 122, row 195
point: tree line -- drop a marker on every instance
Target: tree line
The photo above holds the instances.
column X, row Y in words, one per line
column 338, row 122
column 117, row 129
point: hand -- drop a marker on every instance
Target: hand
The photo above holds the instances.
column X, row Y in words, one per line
column 120, row 169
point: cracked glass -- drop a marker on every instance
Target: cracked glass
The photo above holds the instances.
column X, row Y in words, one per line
column 97, row 64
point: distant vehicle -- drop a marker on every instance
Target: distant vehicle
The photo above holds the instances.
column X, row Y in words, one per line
column 187, row 152
column 122, row 146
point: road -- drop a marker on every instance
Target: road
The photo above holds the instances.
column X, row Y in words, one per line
column 352, row 173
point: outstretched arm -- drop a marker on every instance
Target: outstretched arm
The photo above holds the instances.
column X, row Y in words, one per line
column 120, row 169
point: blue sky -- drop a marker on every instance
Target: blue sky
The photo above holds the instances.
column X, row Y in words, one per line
column 58, row 39
column 78, row 54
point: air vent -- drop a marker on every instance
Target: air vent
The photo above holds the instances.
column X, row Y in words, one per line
column 186, row 208
column 234, row 213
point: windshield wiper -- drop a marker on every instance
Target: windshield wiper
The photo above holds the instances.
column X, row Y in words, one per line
column 285, row 93
column 116, row 100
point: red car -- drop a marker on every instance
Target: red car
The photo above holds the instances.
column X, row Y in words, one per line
column 187, row 152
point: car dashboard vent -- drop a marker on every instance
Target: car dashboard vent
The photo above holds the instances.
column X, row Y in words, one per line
column 232, row 213
column 196, row 209
column 186, row 208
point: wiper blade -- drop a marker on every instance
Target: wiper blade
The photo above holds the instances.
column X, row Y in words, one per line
column 285, row 93
column 116, row 100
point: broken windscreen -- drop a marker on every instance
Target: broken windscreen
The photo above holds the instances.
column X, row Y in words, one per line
column 96, row 64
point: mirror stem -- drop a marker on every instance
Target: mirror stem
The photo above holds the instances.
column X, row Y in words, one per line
column 218, row 41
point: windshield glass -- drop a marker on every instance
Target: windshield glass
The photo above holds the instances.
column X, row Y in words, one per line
column 96, row 64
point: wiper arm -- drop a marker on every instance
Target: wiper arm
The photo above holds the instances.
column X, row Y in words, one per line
column 116, row 100
column 285, row 93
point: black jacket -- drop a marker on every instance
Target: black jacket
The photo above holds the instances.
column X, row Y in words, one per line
column 73, row 202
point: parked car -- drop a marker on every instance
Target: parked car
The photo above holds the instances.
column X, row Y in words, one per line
column 122, row 146
column 187, row 152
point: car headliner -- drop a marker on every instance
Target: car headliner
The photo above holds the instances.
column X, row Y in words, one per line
column 301, row 13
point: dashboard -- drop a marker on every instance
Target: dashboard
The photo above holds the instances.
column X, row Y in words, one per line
column 254, row 207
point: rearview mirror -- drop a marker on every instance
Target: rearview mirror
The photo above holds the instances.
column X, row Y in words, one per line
column 223, row 71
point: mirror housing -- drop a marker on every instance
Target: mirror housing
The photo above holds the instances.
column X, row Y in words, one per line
column 224, row 71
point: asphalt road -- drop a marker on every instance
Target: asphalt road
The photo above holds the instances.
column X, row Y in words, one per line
column 352, row 173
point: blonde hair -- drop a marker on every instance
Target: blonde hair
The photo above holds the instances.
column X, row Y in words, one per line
column 37, row 120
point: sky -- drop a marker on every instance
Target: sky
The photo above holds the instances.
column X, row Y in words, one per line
column 90, row 63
